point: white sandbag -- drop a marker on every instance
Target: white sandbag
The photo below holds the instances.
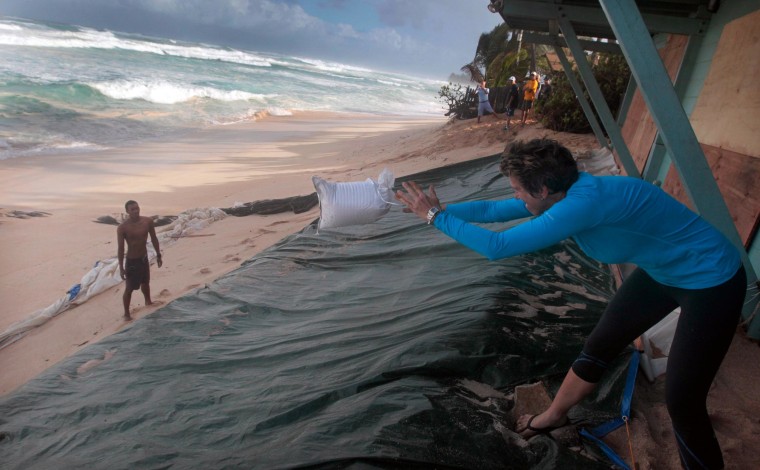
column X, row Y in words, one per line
column 354, row 203
column 660, row 336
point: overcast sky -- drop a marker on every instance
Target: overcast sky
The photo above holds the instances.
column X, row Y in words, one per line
column 425, row 38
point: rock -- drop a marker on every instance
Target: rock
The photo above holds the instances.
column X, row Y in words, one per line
column 106, row 219
column 296, row 204
column 530, row 399
column 533, row 399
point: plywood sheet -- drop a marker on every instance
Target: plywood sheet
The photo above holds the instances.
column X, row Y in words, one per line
column 727, row 112
column 639, row 129
column 738, row 178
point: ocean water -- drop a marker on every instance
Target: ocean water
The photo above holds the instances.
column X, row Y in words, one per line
column 69, row 88
column 379, row 346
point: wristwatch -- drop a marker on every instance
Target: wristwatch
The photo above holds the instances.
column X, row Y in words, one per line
column 432, row 214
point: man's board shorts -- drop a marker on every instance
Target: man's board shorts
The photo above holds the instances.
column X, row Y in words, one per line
column 485, row 106
column 527, row 104
column 137, row 271
column 510, row 112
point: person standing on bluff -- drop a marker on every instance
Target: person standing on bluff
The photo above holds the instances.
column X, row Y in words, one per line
column 513, row 98
column 483, row 104
column 529, row 94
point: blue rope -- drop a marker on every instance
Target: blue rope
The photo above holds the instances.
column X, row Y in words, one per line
column 603, row 429
column 609, row 452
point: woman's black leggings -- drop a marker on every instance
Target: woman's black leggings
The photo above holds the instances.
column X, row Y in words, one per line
column 706, row 326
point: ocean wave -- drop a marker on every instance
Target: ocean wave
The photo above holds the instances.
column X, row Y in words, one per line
column 333, row 66
column 163, row 92
column 13, row 149
column 118, row 88
column 388, row 82
column 251, row 115
column 85, row 38
column 275, row 111
column 10, row 27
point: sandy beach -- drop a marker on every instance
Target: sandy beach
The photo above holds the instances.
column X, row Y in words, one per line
column 268, row 159
column 42, row 257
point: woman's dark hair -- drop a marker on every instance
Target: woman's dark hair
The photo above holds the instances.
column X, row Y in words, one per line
column 540, row 162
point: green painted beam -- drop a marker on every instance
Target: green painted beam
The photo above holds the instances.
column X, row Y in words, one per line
column 625, row 105
column 674, row 126
column 658, row 161
column 548, row 10
column 602, row 109
column 554, row 40
column 578, row 89
column 656, row 169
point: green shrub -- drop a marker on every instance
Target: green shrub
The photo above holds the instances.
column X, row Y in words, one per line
column 453, row 97
column 562, row 112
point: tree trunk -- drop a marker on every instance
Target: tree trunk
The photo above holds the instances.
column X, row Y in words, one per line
column 519, row 46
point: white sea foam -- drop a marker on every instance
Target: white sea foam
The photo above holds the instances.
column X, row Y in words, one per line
column 275, row 111
column 11, row 150
column 10, row 27
column 333, row 66
column 168, row 93
column 388, row 82
column 90, row 38
column 252, row 115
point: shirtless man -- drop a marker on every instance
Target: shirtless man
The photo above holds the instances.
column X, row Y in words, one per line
column 135, row 231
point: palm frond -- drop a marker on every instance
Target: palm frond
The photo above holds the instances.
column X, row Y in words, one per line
column 473, row 71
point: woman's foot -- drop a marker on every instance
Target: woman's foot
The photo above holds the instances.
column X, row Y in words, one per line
column 531, row 425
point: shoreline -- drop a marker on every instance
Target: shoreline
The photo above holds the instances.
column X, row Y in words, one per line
column 216, row 167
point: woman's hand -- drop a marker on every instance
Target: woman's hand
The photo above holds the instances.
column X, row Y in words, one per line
column 416, row 200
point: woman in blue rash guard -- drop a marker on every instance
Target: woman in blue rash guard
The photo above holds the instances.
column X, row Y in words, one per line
column 681, row 261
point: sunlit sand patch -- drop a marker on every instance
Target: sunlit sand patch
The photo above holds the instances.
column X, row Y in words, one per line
column 522, row 311
column 231, row 258
column 480, row 389
column 84, row 368
column 579, row 290
column 248, row 241
column 559, row 272
column 140, row 308
column 536, row 280
column 542, row 332
column 559, row 310
column 551, row 295
column 481, row 395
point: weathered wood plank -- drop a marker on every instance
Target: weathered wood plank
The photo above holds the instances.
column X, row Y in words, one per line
column 727, row 112
column 639, row 130
column 738, row 178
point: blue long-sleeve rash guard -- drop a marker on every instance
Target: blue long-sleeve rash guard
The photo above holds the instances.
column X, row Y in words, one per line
column 614, row 219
